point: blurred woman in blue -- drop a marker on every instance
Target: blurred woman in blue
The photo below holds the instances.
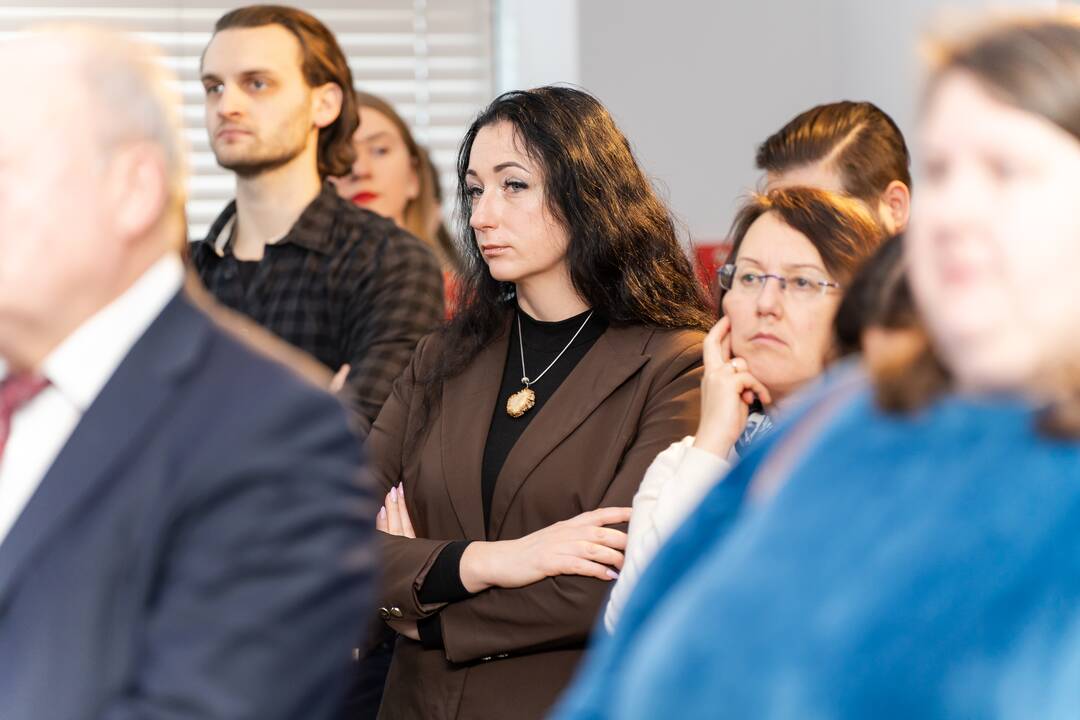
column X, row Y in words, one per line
column 920, row 564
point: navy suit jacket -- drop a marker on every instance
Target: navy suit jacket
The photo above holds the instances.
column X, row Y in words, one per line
column 200, row 548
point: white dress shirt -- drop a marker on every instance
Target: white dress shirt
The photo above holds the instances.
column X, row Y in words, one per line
column 77, row 370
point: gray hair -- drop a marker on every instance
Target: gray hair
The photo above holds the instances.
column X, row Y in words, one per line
column 133, row 93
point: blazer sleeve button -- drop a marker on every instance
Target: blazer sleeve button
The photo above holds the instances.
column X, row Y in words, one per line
column 384, row 613
column 396, row 612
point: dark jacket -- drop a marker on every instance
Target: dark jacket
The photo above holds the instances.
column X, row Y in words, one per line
column 199, row 548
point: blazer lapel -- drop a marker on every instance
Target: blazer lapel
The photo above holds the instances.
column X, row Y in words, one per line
column 611, row 361
column 113, row 424
column 468, row 402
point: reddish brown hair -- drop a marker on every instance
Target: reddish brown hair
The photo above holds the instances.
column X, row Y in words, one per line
column 858, row 139
column 840, row 228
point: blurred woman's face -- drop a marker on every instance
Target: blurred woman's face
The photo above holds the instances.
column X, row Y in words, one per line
column 384, row 177
column 518, row 236
column 785, row 336
column 994, row 242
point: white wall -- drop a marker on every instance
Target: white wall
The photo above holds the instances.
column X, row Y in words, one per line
column 697, row 85
column 537, row 43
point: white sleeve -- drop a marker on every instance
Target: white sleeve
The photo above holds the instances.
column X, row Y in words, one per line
column 673, row 485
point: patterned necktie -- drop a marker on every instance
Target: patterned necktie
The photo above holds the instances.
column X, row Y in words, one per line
column 16, row 391
column 757, row 426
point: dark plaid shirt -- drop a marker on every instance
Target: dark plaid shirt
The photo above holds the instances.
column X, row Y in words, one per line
column 346, row 285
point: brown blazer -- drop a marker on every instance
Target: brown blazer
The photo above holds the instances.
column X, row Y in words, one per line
column 509, row 652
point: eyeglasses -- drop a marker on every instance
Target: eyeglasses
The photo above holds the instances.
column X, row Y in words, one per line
column 737, row 279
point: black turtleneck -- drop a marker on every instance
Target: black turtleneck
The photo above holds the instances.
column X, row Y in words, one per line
column 542, row 342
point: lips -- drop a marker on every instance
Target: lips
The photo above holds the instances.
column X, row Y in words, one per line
column 231, row 133
column 959, row 274
column 363, row 198
column 493, row 250
column 767, row 338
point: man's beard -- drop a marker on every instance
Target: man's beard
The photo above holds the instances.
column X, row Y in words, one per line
column 260, row 160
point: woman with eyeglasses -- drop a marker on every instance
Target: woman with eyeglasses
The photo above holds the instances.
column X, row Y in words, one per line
column 793, row 251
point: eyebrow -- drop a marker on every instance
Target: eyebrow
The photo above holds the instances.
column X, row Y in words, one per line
column 786, row 266
column 809, row 266
column 244, row 75
column 500, row 167
column 376, row 136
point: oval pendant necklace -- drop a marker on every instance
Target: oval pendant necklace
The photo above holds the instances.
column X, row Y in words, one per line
column 522, row 401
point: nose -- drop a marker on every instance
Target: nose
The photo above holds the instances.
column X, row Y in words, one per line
column 229, row 101
column 961, row 203
column 770, row 298
column 484, row 215
column 361, row 169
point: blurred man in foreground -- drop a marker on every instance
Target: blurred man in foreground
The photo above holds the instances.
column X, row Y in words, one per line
column 183, row 528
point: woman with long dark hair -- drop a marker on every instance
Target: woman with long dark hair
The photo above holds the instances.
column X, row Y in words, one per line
column 512, row 445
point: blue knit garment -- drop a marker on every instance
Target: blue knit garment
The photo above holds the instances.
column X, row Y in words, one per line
column 920, row 567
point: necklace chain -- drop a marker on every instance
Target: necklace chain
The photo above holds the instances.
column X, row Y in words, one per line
column 521, row 345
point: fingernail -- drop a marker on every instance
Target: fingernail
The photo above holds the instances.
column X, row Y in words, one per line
column 612, row 574
column 393, row 494
column 401, row 488
column 382, row 513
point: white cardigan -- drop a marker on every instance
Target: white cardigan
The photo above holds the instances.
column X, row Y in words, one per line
column 673, row 485
column 679, row 478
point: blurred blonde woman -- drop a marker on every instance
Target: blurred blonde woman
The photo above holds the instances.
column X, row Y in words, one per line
column 394, row 177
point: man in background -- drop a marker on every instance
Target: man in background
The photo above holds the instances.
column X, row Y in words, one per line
column 343, row 284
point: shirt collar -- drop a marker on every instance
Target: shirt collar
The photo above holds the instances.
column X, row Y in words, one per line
column 311, row 230
column 81, row 365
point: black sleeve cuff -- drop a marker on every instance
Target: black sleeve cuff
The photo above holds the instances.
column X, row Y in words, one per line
column 443, row 581
column 430, row 629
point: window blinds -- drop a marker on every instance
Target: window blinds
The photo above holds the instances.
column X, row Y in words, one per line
column 432, row 59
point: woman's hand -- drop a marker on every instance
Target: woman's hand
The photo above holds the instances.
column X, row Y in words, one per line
column 581, row 545
column 727, row 392
column 393, row 517
column 394, row 520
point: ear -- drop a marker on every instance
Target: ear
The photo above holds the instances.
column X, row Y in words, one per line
column 326, row 104
column 894, row 207
column 137, row 188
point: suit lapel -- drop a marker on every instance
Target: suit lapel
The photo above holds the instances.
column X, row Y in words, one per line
column 112, row 425
column 468, row 402
column 611, row 361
